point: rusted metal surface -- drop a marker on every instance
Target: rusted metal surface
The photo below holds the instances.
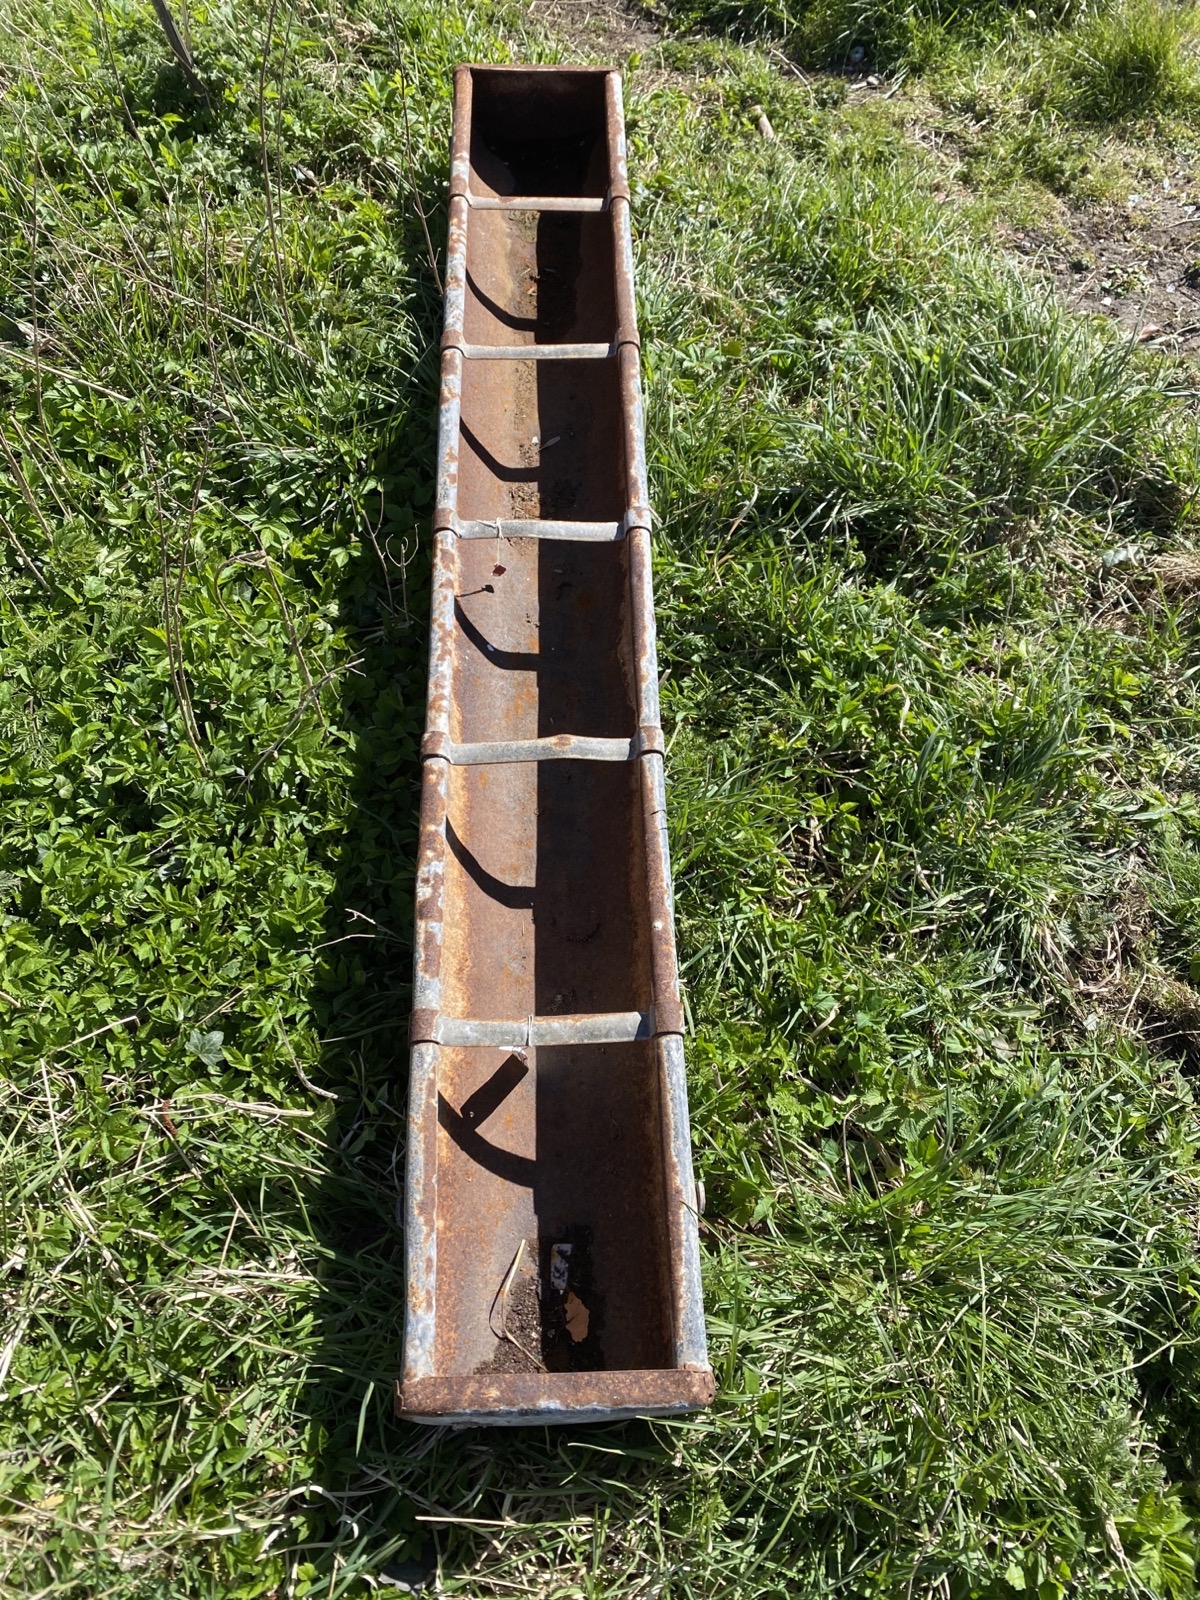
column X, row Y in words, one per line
column 537, row 1398
column 551, row 1213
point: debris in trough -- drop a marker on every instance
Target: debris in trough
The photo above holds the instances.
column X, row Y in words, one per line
column 576, row 1316
column 519, row 1330
column 560, row 1266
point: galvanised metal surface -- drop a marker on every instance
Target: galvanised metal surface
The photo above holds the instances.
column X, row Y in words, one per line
column 553, row 1256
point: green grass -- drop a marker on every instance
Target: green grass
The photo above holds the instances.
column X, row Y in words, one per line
column 1140, row 61
column 1120, row 58
column 1030, row 106
column 862, row 35
column 926, row 587
column 1088, row 112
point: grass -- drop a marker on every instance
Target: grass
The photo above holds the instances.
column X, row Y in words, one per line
column 1028, row 106
column 1136, row 62
column 1121, row 59
column 1088, row 112
column 926, row 582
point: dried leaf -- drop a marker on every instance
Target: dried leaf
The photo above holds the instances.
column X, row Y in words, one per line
column 578, row 1317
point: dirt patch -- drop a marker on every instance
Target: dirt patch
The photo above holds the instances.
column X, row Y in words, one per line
column 549, row 1317
column 519, row 1346
column 1137, row 264
column 608, row 31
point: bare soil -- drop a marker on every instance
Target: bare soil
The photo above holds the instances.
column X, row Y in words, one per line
column 540, row 1327
column 1138, row 264
column 521, row 1351
column 608, row 30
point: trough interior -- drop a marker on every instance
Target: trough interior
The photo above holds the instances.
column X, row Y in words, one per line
column 539, row 278
column 550, row 1158
column 559, row 1149
column 538, row 133
column 541, row 643
column 540, row 438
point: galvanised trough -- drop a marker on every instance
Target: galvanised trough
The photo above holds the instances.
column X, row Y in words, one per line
column 553, row 1260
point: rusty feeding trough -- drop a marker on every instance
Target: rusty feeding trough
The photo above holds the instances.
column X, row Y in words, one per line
column 553, row 1260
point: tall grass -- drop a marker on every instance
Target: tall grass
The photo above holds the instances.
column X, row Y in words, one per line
column 1135, row 61
column 870, row 34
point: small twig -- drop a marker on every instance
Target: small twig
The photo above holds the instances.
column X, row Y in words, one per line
column 269, row 567
column 501, row 1300
column 264, row 563
column 47, row 478
column 33, row 299
column 22, row 483
column 1133, row 1001
column 821, row 1026
column 131, row 126
column 372, row 535
column 120, row 1022
column 408, row 152
column 70, row 377
column 250, row 1107
column 179, row 49
column 19, row 1325
column 50, row 1109
column 502, row 1292
column 266, row 170
column 788, row 64
column 325, row 678
column 325, row 1094
column 174, row 635
column 26, row 558
column 363, row 917
column 218, row 378
column 219, row 1011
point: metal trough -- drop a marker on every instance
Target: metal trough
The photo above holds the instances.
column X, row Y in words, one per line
column 553, row 1261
